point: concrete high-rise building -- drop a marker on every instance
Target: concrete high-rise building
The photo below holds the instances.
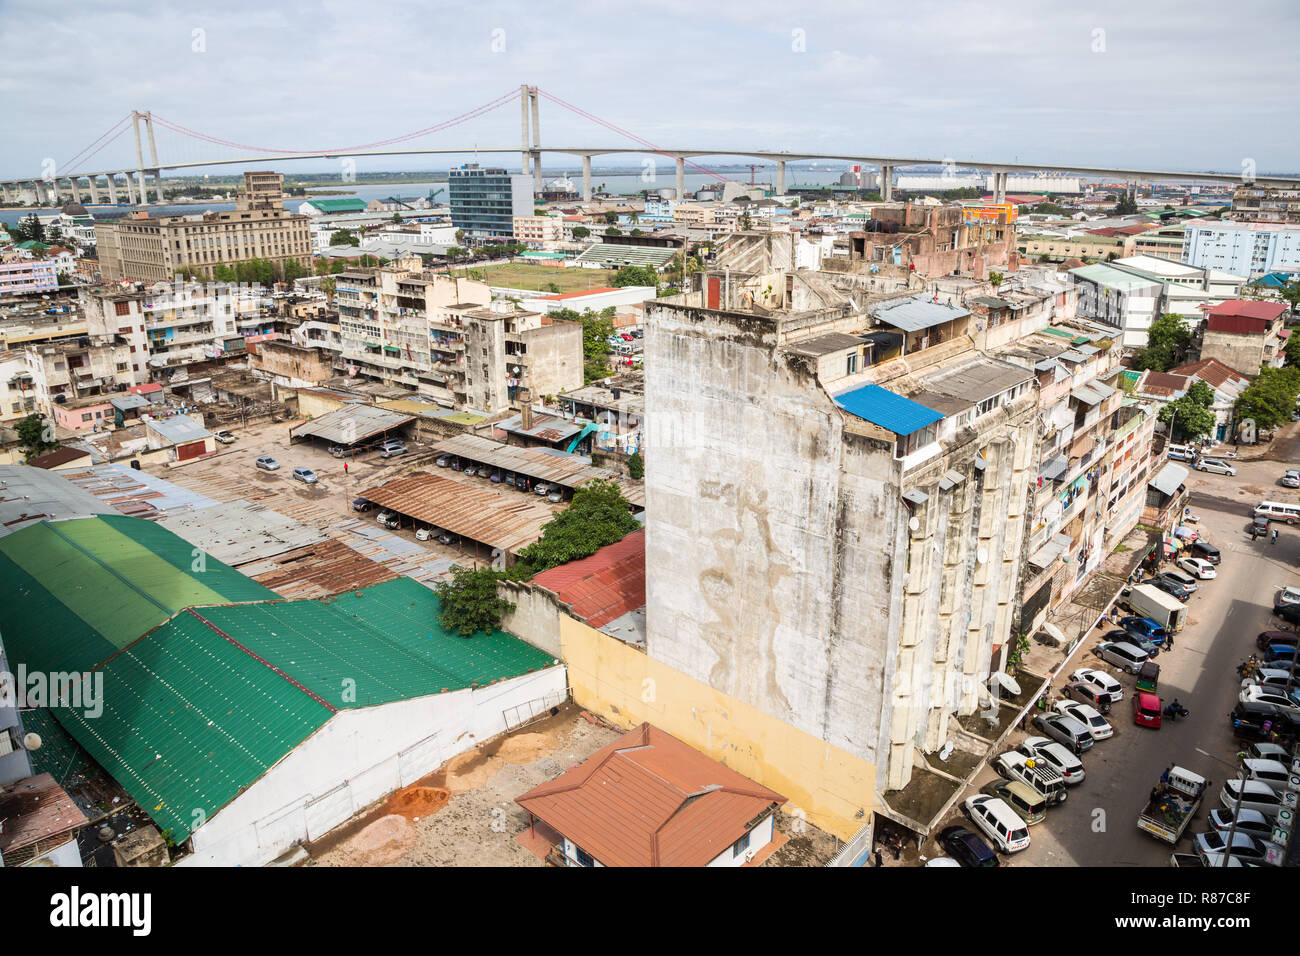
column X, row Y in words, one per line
column 1255, row 203
column 1243, row 248
column 485, row 202
column 159, row 249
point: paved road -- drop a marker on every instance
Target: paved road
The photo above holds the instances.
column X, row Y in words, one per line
column 1097, row 826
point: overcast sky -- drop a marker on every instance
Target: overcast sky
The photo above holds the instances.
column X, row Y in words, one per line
column 1177, row 85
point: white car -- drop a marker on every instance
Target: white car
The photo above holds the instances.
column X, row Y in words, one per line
column 224, row 437
column 426, row 534
column 1275, row 773
column 1286, row 595
column 1125, row 656
column 1197, row 568
column 1055, row 756
column 1250, row 822
column 1087, row 715
column 1254, row 692
column 1291, row 479
column 1101, row 680
column 1247, row 848
column 1256, row 795
column 1215, row 466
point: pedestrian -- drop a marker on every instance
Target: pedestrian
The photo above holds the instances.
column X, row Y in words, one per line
column 345, row 468
column 1169, row 641
column 1275, row 535
column 898, row 849
column 879, row 860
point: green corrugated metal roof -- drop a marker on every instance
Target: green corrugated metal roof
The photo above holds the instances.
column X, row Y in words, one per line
column 396, row 649
column 90, row 586
column 58, row 755
column 339, row 205
column 189, row 720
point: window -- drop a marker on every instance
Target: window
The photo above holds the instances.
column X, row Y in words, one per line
column 740, row 846
column 584, row 858
column 852, row 364
column 86, row 417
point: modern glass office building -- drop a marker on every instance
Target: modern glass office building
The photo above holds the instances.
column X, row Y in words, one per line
column 484, row 202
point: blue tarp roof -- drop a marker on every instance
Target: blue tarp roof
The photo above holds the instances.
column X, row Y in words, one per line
column 880, row 406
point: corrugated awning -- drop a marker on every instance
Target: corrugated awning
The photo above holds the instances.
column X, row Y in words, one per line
column 1168, row 479
column 915, row 497
column 1055, row 468
column 1048, row 553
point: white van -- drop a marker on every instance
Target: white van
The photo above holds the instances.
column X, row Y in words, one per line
column 999, row 822
column 1180, row 452
column 1278, row 511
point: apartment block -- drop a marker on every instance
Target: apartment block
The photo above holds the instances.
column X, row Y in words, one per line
column 19, row 276
column 445, row 338
column 837, row 536
column 1254, row 203
column 153, row 249
column 485, row 202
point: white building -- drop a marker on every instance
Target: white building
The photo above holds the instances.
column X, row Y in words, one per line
column 1243, row 248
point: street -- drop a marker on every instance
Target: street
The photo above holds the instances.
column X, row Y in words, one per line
column 1097, row 825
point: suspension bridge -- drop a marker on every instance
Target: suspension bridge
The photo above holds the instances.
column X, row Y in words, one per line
column 132, row 180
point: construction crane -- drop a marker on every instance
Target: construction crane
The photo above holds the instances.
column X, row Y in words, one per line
column 752, row 167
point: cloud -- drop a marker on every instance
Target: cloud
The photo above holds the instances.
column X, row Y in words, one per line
column 1173, row 85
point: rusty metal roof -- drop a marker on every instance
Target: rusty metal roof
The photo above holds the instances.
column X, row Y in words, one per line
column 317, row 570
column 648, row 799
column 480, row 514
column 352, row 423
column 571, row 471
column 34, row 810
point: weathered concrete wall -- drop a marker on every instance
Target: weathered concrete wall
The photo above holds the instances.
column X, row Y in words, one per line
column 556, row 364
column 536, row 617
column 1245, row 353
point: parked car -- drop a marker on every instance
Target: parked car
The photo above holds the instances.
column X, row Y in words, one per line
column 1215, row 466
column 1266, row 638
column 1250, row 822
column 1260, row 721
column 1198, row 568
column 1037, row 775
column 1291, row 479
column 361, row 504
column 1284, row 654
column 1065, row 730
column 305, row 475
column 1170, row 587
column 1275, row 773
column 1203, row 549
column 447, row 538
column 392, row 447
column 1254, row 795
column 1087, row 715
column 267, row 463
column 383, row 516
column 1101, row 681
column 555, row 495
column 541, row 488
column 1125, row 656
column 442, row 461
column 1056, row 756
column 1253, row 692
column 1289, row 613
column 1146, row 627
column 1185, row 581
column 427, row 534
column 1026, row 802
column 1180, row 452
column 998, row 822
column 1265, row 751
column 1285, row 596
column 967, row 848
column 1146, row 710
column 1146, row 645
column 1245, row 847
column 224, row 437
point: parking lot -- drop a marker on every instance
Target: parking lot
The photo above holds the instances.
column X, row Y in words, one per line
column 231, row 474
column 1097, row 825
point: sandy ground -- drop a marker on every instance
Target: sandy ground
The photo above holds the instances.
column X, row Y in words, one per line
column 464, row 814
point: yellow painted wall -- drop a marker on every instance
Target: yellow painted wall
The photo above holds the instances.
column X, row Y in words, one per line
column 314, row 405
column 626, row 687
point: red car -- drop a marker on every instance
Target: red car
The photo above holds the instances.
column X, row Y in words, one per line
column 1146, row 709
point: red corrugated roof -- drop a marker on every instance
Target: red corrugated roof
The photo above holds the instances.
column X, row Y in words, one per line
column 606, row 585
column 1266, row 311
column 1156, row 383
column 648, row 799
column 1211, row 371
column 1237, row 324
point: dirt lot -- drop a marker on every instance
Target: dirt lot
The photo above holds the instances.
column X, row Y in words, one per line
column 464, row 814
column 520, row 275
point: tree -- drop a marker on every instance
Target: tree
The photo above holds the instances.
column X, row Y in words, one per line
column 1167, row 341
column 552, row 288
column 1127, row 206
column 635, row 275
column 596, row 330
column 293, row 269
column 36, row 435
column 1292, row 350
column 675, row 272
column 1270, row 399
column 636, row 466
column 397, row 217
column 460, row 236
column 1191, row 414
column 598, row 516
column 343, row 237
column 611, row 218
column 613, row 231
column 29, row 228
column 1291, row 295
column 995, row 279
column 581, row 232
column 470, row 603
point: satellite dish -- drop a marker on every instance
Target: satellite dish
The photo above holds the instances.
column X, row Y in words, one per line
column 982, row 555
column 914, row 524
column 32, row 742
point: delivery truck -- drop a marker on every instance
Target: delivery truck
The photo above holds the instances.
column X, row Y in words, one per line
column 1146, row 600
column 1173, row 802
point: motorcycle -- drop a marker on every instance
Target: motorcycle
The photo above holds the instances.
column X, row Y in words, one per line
column 1248, row 666
column 1174, row 712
